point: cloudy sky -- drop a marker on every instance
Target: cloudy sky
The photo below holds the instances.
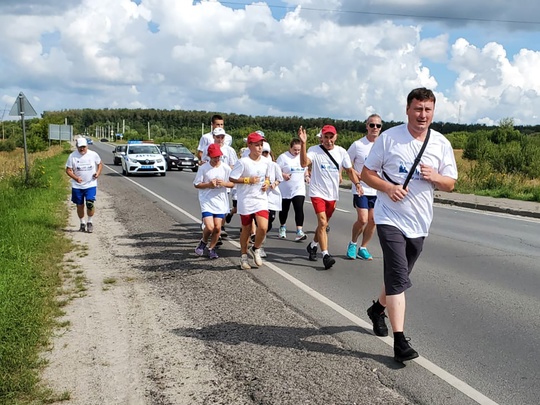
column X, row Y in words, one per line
column 342, row 59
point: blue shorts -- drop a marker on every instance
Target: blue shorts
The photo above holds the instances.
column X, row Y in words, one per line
column 78, row 195
column 209, row 214
column 365, row 202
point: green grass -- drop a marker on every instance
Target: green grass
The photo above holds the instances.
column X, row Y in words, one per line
column 32, row 247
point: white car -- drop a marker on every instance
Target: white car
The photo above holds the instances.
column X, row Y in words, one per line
column 143, row 158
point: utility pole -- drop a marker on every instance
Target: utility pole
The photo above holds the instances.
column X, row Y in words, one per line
column 3, row 130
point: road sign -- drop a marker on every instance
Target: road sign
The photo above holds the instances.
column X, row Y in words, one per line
column 22, row 107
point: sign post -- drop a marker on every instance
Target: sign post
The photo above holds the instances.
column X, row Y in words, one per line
column 22, row 106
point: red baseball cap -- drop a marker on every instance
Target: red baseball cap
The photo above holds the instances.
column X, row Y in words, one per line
column 214, row 150
column 254, row 137
column 328, row 129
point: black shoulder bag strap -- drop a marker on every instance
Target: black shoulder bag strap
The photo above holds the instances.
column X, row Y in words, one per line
column 330, row 156
column 413, row 167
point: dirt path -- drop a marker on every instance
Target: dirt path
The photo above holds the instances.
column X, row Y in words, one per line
column 116, row 349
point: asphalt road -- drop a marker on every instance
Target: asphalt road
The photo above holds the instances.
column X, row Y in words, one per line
column 473, row 310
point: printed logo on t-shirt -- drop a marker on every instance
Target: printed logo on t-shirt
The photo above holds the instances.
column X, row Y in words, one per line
column 329, row 167
column 403, row 170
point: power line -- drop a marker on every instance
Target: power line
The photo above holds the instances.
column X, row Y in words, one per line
column 371, row 13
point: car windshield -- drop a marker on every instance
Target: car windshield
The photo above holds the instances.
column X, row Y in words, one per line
column 121, row 148
column 144, row 149
column 178, row 149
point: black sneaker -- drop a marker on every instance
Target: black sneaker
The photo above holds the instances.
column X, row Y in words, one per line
column 403, row 351
column 82, row 228
column 224, row 233
column 90, row 227
column 328, row 261
column 228, row 218
column 379, row 325
column 312, row 251
column 219, row 242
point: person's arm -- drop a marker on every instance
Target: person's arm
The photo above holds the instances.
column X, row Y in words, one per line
column 372, row 179
column 72, row 174
column 302, row 135
column 98, row 171
column 355, row 179
column 442, row 183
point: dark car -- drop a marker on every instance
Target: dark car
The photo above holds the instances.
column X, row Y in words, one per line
column 179, row 157
column 119, row 152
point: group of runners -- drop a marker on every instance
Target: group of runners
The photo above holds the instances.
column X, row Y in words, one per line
column 263, row 189
column 393, row 174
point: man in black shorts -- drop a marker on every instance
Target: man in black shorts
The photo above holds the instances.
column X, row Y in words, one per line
column 403, row 214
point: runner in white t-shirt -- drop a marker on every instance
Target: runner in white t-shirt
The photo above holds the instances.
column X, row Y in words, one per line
column 324, row 184
column 212, row 181
column 293, row 189
column 84, row 167
column 403, row 214
column 250, row 174
column 207, row 139
column 364, row 202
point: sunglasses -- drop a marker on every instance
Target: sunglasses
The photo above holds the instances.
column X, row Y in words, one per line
column 372, row 125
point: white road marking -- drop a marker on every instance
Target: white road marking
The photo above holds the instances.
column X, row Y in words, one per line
column 422, row 361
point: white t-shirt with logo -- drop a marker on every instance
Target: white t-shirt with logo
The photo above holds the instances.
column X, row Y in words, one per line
column 251, row 198
column 324, row 174
column 394, row 153
column 296, row 184
column 358, row 152
column 214, row 200
column 84, row 166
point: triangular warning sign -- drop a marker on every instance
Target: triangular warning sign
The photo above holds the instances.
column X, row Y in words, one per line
column 22, row 107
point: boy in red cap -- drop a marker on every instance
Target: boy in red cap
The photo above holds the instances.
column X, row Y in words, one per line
column 326, row 160
column 250, row 174
column 212, row 181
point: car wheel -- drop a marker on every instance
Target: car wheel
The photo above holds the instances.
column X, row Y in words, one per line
column 180, row 169
column 124, row 171
column 163, row 174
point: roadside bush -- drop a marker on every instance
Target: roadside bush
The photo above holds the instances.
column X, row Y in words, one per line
column 458, row 139
column 8, row 145
column 478, row 146
column 36, row 144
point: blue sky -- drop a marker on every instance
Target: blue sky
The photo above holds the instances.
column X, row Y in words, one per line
column 343, row 59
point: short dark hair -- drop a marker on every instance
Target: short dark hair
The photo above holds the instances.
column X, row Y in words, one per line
column 295, row 141
column 216, row 117
column 420, row 94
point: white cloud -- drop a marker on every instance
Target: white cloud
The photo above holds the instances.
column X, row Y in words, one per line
column 312, row 61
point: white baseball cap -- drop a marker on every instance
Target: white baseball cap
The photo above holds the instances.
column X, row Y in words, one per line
column 81, row 142
column 219, row 131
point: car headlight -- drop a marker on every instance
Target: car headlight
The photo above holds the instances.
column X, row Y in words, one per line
column 173, row 158
column 195, row 158
column 159, row 160
column 132, row 160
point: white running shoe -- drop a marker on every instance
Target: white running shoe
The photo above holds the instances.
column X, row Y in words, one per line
column 256, row 255
column 244, row 263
